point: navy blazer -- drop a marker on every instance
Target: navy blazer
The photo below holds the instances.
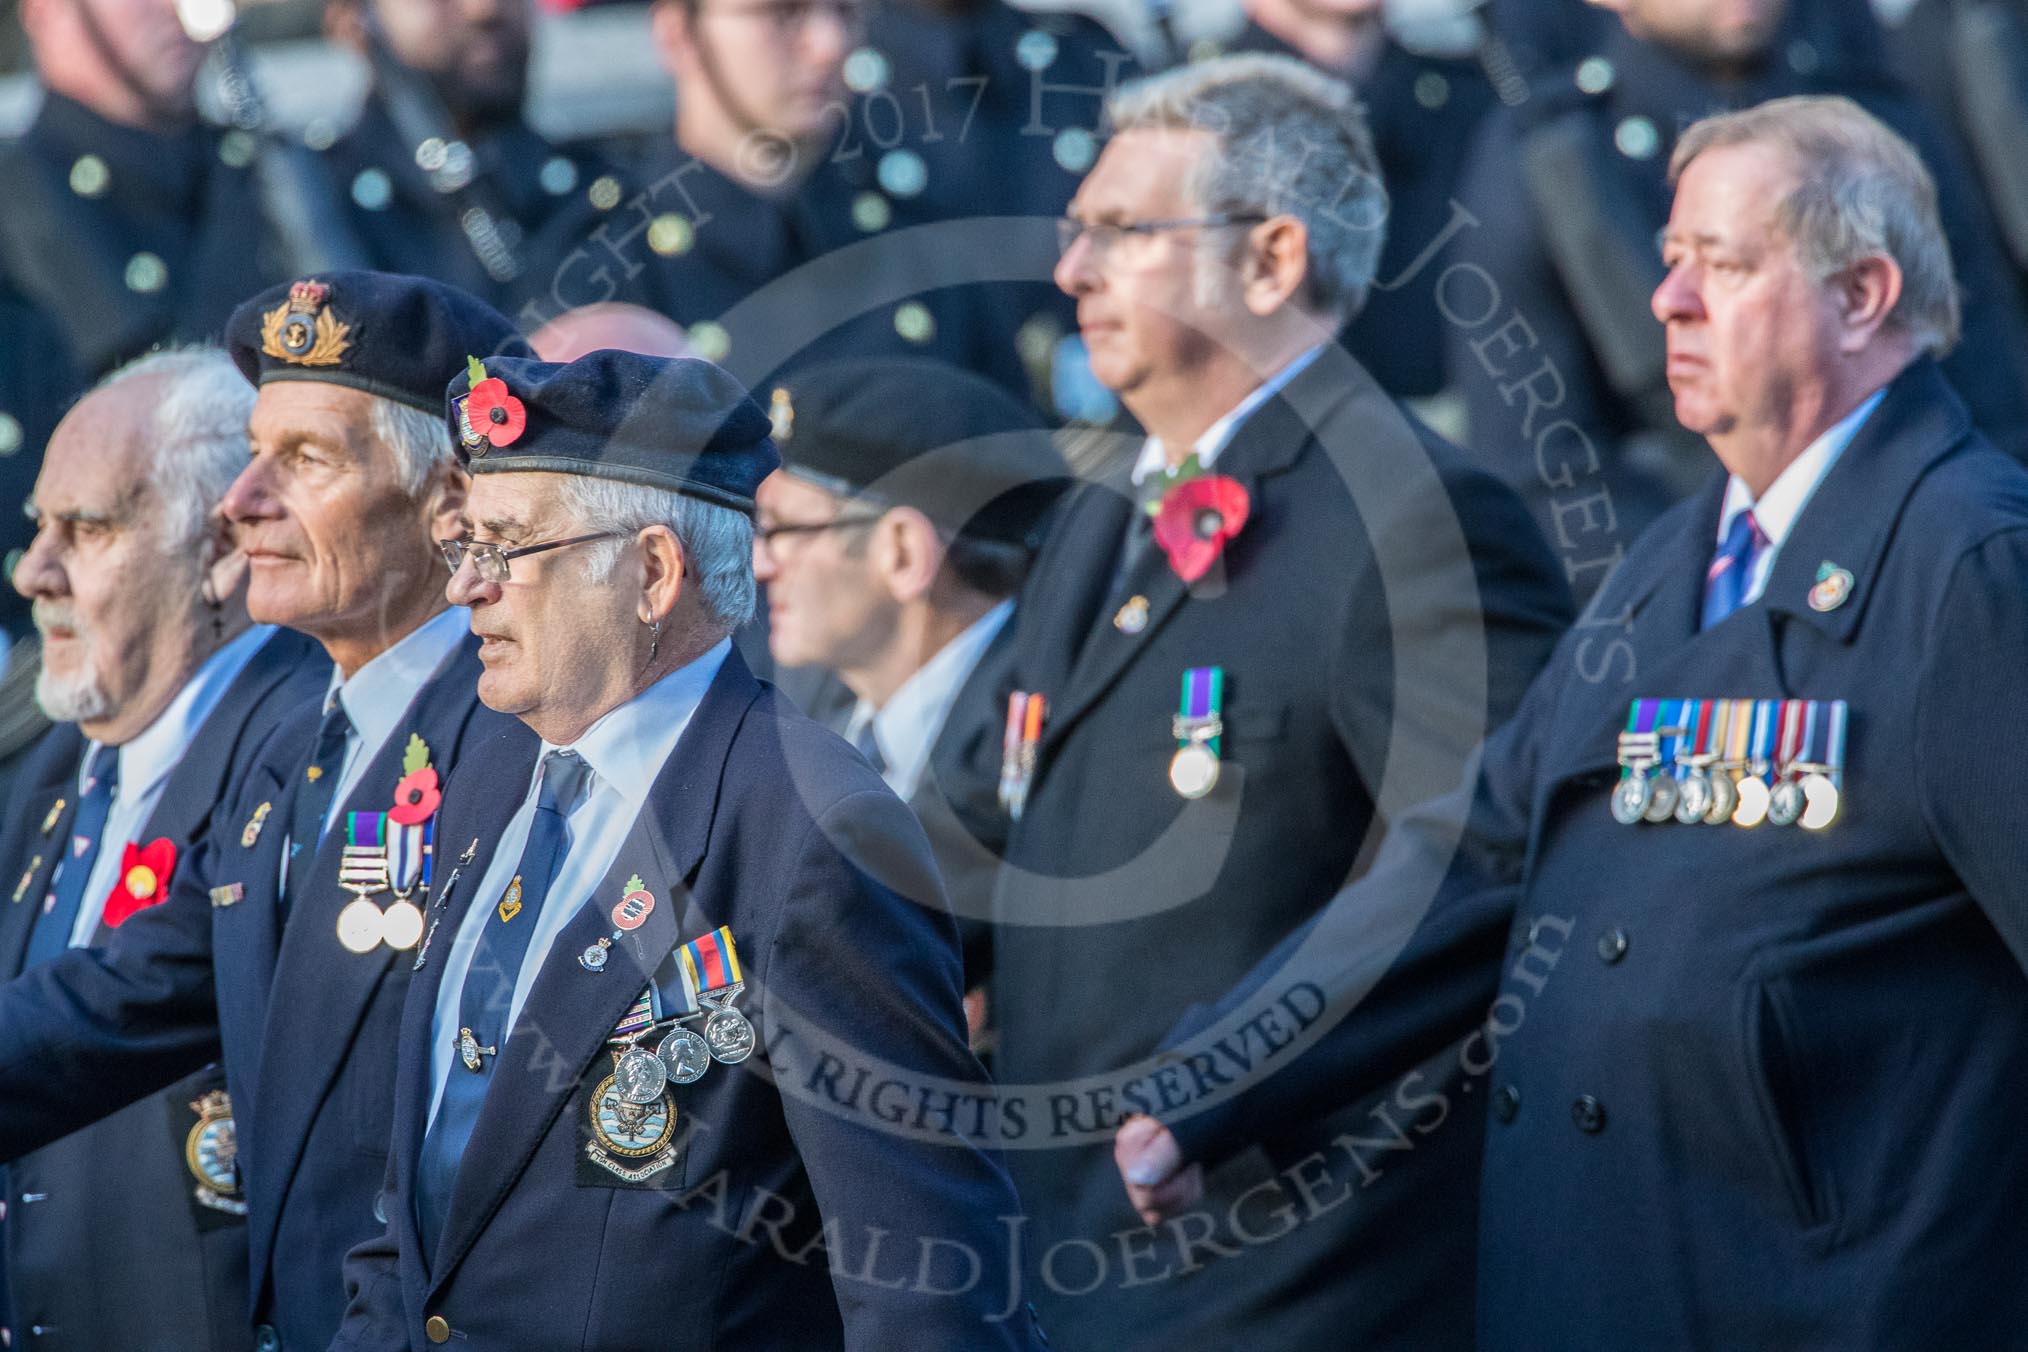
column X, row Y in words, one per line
column 1749, row 1088
column 307, row 1028
column 168, row 1248
column 764, row 822
column 1382, row 606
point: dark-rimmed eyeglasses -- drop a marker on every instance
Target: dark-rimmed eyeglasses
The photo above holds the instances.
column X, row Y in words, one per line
column 1102, row 236
column 490, row 561
column 766, row 535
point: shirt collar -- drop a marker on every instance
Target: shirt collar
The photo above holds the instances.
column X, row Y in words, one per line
column 1778, row 508
column 149, row 756
column 376, row 697
column 907, row 726
column 1154, row 457
column 628, row 746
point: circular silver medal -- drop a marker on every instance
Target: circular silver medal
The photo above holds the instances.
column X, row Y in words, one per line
column 729, row 1036
column 1694, row 800
column 684, row 1055
column 1193, row 771
column 360, row 926
column 1820, row 802
column 1630, row 799
column 1786, row 803
column 1662, row 798
column 1753, row 802
column 402, row 926
column 640, row 1076
column 1724, row 799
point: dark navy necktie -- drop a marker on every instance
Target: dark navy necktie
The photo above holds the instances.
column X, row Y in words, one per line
column 313, row 795
column 489, row 989
column 1725, row 585
column 868, row 746
column 51, row 934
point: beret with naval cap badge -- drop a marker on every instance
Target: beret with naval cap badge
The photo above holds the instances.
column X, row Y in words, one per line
column 396, row 336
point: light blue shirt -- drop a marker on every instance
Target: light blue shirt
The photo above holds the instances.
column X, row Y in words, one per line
column 1154, row 457
column 625, row 751
column 376, row 697
column 1778, row 508
column 908, row 725
column 147, row 761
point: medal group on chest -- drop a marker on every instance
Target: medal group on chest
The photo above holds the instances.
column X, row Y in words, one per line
column 1739, row 761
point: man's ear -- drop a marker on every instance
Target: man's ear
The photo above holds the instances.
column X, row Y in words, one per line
column 223, row 563
column 664, row 572
column 908, row 550
column 448, row 487
column 1867, row 293
column 669, row 31
column 344, row 25
column 1275, row 265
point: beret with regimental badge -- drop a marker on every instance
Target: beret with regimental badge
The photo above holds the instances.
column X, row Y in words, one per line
column 396, row 336
column 911, row 432
column 675, row 423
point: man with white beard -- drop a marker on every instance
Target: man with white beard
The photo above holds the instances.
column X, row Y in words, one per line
column 158, row 685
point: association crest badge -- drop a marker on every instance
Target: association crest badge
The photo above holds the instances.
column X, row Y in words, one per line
column 212, row 1151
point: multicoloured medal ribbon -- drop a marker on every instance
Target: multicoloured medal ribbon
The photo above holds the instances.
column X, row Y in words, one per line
column 1198, row 728
column 1823, row 767
column 1740, row 760
column 712, row 979
column 1639, row 750
column 1019, row 744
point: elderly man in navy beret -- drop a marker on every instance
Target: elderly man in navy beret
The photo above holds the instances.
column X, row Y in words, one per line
column 283, row 948
column 686, row 874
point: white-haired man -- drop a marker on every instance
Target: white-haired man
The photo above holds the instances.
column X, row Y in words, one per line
column 1286, row 605
column 688, row 873
column 160, row 688
column 286, row 940
column 1737, row 881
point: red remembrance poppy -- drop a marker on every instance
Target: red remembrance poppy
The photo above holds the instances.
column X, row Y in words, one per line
column 495, row 414
column 143, row 880
column 416, row 797
column 1196, row 518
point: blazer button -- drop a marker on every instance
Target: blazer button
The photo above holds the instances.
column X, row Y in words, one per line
column 437, row 1328
column 1589, row 1114
column 1506, row 1102
column 266, row 1339
column 1612, row 945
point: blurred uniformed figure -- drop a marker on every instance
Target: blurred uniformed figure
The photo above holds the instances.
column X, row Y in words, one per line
column 129, row 221
column 163, row 691
column 1545, row 297
column 1969, row 59
column 686, row 873
column 1424, row 111
column 1230, row 646
column 1738, row 921
column 1008, row 100
column 283, row 950
column 770, row 170
column 892, row 542
column 441, row 175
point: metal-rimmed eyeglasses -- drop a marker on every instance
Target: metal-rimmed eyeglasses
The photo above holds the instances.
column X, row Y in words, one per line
column 490, row 561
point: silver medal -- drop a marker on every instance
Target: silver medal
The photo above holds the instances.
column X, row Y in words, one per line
column 639, row 1077
column 728, row 1036
column 1630, row 799
column 1662, row 798
column 1193, row 770
column 684, row 1055
column 1694, row 800
column 1786, row 802
column 1724, row 799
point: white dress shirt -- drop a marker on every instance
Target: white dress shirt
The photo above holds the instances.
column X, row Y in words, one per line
column 1778, row 508
column 146, row 763
column 908, row 725
column 1154, row 456
column 376, row 697
column 625, row 751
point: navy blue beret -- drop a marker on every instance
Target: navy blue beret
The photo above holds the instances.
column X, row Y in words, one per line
column 919, row 433
column 395, row 336
column 675, row 423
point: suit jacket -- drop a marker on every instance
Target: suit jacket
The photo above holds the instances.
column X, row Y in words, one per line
column 306, row 1028
column 1750, row 1088
column 167, row 1242
column 1347, row 618
column 763, row 822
